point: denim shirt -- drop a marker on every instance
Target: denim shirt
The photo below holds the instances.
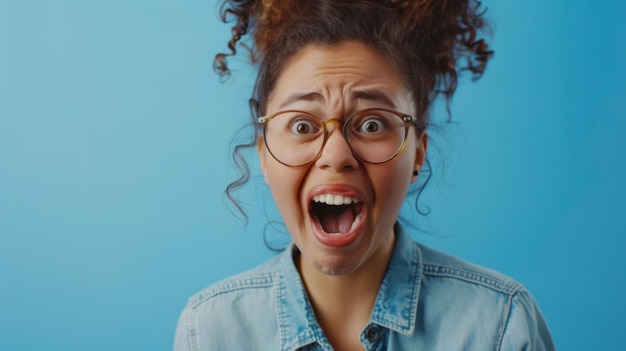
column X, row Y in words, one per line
column 427, row 301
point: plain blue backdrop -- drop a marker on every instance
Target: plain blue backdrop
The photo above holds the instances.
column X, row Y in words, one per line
column 114, row 139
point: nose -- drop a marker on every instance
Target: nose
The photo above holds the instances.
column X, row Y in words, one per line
column 336, row 154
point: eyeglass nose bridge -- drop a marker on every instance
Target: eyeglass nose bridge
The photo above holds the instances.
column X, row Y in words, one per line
column 336, row 121
column 341, row 129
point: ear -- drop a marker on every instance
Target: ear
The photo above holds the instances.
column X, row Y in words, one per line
column 260, row 145
column 420, row 154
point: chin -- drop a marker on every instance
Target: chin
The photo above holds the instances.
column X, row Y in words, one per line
column 332, row 263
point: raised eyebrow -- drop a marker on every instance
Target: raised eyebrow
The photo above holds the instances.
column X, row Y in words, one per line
column 374, row 95
column 313, row 96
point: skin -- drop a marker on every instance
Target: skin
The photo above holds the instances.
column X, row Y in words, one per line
column 342, row 280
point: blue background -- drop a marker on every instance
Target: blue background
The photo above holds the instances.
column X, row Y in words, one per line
column 114, row 138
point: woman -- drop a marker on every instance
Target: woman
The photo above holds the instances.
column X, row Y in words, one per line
column 342, row 95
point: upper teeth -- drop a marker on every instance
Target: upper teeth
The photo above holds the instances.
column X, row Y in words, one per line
column 331, row 199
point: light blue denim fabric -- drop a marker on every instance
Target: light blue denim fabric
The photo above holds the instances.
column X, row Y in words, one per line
column 427, row 301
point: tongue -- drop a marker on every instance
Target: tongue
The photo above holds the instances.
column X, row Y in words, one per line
column 337, row 219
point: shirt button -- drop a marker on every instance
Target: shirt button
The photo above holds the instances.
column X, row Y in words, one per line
column 372, row 334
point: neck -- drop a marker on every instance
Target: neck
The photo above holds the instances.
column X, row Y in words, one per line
column 343, row 303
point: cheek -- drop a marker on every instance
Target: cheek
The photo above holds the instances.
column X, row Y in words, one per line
column 284, row 183
column 391, row 182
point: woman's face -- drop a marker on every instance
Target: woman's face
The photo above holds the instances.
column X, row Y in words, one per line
column 333, row 82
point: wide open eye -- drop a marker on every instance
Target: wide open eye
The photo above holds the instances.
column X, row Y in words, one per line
column 371, row 125
column 303, row 126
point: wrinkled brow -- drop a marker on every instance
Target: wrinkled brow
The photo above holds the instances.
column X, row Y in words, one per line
column 369, row 95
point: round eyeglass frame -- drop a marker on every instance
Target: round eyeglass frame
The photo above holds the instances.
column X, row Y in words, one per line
column 407, row 119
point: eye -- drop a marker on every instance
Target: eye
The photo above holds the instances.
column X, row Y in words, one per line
column 371, row 125
column 303, row 126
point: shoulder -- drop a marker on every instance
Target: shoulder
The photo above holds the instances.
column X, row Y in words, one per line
column 235, row 313
column 261, row 277
column 445, row 266
column 477, row 299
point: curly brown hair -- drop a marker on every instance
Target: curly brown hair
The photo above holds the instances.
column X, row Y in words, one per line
column 429, row 42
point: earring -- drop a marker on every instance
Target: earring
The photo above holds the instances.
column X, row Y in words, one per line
column 416, row 173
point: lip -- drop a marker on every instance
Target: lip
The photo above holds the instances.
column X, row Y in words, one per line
column 336, row 240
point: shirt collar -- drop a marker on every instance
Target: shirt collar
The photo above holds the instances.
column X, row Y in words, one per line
column 395, row 307
column 296, row 319
column 396, row 304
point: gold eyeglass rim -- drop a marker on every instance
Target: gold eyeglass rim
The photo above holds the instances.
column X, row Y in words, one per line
column 406, row 118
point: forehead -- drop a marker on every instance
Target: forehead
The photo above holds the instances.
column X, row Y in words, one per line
column 338, row 74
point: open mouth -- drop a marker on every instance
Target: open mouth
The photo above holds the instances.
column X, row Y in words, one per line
column 336, row 214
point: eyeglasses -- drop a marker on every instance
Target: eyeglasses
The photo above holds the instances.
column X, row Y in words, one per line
column 296, row 138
